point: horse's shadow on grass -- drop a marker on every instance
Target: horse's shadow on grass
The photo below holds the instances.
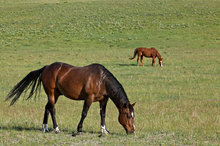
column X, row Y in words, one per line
column 73, row 133
column 134, row 65
column 20, row 128
column 127, row 64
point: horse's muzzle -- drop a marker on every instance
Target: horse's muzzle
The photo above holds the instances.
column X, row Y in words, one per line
column 130, row 132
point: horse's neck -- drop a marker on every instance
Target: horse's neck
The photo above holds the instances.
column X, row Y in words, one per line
column 158, row 55
column 114, row 89
column 119, row 100
column 116, row 93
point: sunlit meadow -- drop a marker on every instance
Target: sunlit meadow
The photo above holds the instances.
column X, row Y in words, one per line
column 178, row 104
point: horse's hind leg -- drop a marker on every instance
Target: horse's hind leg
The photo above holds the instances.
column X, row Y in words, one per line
column 139, row 55
column 50, row 108
column 103, row 104
column 45, row 121
column 138, row 59
column 153, row 61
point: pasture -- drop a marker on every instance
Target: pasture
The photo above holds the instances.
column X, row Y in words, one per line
column 178, row 104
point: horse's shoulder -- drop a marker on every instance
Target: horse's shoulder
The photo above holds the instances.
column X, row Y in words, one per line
column 96, row 67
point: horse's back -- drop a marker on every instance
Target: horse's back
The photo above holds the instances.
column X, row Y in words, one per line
column 149, row 52
column 76, row 82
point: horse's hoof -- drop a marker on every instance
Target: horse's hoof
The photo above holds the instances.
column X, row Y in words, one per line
column 104, row 130
column 46, row 130
column 106, row 133
column 79, row 133
column 44, row 126
column 56, row 130
column 103, row 134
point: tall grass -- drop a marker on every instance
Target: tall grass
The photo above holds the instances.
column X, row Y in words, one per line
column 176, row 105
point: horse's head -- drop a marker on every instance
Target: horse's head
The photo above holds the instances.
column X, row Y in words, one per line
column 126, row 117
column 161, row 62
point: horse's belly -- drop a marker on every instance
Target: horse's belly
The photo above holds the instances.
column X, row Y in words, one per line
column 72, row 91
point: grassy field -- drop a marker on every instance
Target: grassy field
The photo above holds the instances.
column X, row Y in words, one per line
column 178, row 104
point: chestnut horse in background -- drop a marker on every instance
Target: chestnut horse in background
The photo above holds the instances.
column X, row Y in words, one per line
column 90, row 83
column 149, row 53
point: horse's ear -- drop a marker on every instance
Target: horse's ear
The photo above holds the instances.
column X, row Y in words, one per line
column 126, row 105
column 133, row 104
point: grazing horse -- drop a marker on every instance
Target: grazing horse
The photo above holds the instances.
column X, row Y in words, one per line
column 90, row 83
column 147, row 52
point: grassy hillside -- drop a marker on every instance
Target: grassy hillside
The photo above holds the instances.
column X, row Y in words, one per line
column 178, row 104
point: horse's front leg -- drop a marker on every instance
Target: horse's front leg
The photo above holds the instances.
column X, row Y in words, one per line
column 142, row 60
column 103, row 104
column 86, row 106
column 153, row 61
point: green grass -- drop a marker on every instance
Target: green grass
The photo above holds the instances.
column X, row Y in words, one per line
column 178, row 104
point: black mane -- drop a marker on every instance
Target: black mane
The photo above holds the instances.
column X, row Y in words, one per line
column 114, row 89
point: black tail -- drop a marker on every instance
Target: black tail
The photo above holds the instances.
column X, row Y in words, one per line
column 32, row 79
column 135, row 53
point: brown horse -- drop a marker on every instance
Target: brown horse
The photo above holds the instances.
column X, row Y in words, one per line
column 147, row 52
column 90, row 83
